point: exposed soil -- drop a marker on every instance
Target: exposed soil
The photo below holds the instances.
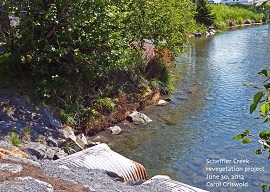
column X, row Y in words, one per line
column 125, row 106
column 36, row 172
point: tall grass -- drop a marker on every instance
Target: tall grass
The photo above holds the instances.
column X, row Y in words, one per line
column 226, row 14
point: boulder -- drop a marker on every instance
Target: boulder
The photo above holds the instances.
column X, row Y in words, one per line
column 25, row 184
column 13, row 168
column 53, row 142
column 138, row 118
column 82, row 141
column 3, row 102
column 67, row 133
column 36, row 149
column 115, row 130
column 49, row 120
column 59, row 153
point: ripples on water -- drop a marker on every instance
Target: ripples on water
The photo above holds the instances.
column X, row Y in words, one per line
column 209, row 108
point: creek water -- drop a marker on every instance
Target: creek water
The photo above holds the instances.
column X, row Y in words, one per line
column 194, row 132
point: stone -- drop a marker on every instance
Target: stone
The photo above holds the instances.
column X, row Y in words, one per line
column 138, row 118
column 82, row 141
column 59, row 154
column 115, row 130
column 25, row 184
column 162, row 102
column 49, row 120
column 36, row 149
column 13, row 168
column 23, row 160
column 5, row 126
column 50, row 153
column 14, row 152
column 3, row 101
column 53, row 142
column 67, row 133
column 100, row 139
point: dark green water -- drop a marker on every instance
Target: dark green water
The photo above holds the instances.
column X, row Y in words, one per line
column 208, row 109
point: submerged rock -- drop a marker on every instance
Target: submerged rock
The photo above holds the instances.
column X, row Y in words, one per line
column 162, row 102
column 115, row 130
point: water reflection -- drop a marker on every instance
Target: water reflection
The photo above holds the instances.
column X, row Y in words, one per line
column 209, row 108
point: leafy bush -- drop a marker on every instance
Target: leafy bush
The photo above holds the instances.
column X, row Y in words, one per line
column 77, row 51
column 15, row 138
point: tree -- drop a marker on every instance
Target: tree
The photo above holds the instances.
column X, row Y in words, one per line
column 76, row 51
column 204, row 14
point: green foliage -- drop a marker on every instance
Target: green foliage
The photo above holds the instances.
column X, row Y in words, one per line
column 69, row 147
column 261, row 100
column 78, row 51
column 204, row 13
column 227, row 15
column 15, row 138
column 105, row 105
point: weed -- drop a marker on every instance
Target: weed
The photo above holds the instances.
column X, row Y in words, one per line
column 105, row 105
column 15, row 138
column 69, row 147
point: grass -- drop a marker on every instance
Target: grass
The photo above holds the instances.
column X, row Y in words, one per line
column 228, row 14
column 15, row 138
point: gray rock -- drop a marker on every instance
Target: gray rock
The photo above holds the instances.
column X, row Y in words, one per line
column 3, row 101
column 20, row 184
column 59, row 154
column 67, row 133
column 49, row 120
column 5, row 144
column 138, row 118
column 36, row 149
column 5, row 126
column 82, row 141
column 14, row 168
column 115, row 130
column 53, row 142
column 23, row 160
column 50, row 152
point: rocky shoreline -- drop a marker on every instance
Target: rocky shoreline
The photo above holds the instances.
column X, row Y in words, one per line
column 31, row 138
column 38, row 153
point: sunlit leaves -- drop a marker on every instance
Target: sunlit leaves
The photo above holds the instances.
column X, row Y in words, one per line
column 241, row 135
column 264, row 73
column 246, row 140
column 265, row 109
column 257, row 98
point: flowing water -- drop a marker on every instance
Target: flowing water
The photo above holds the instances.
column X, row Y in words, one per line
column 209, row 107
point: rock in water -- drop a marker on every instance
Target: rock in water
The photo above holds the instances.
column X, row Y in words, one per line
column 115, row 130
column 138, row 118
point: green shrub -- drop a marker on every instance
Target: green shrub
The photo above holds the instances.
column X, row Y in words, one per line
column 77, row 52
column 15, row 138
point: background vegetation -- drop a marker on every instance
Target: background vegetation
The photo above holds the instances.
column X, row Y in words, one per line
column 230, row 15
